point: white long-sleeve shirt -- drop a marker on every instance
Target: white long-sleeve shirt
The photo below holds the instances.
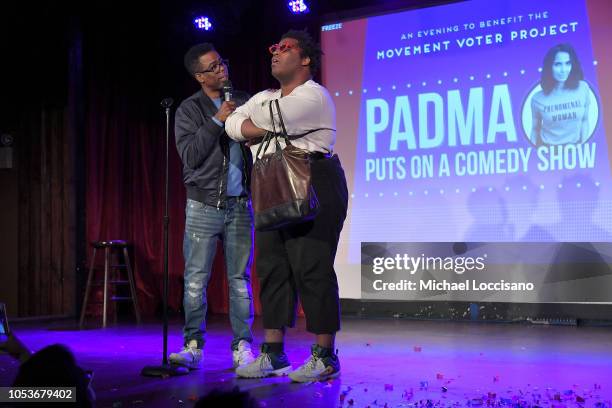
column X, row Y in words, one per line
column 308, row 107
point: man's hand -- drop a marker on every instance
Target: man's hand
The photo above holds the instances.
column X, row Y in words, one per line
column 250, row 131
column 254, row 141
column 227, row 107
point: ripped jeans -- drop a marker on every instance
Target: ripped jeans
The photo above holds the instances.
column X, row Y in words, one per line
column 204, row 225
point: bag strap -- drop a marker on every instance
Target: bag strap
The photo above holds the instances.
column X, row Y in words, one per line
column 265, row 142
column 286, row 135
column 291, row 137
column 301, row 135
column 282, row 123
column 274, row 134
column 278, row 147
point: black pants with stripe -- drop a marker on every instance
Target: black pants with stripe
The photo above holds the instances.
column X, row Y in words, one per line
column 299, row 260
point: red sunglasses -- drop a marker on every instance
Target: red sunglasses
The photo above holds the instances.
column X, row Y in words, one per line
column 280, row 48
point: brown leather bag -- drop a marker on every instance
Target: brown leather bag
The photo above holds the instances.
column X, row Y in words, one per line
column 281, row 187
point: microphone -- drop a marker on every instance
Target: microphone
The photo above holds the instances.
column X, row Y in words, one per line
column 228, row 89
column 166, row 102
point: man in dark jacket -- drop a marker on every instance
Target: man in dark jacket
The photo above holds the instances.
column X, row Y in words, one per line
column 216, row 172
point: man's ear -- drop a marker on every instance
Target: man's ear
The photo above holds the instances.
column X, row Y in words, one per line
column 305, row 61
column 199, row 77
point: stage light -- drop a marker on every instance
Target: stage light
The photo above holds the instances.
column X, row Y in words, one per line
column 203, row 23
column 298, row 6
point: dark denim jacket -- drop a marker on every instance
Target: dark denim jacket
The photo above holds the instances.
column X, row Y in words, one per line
column 203, row 147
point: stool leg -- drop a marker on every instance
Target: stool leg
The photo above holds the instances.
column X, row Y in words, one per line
column 87, row 288
column 128, row 265
column 106, row 262
column 114, row 275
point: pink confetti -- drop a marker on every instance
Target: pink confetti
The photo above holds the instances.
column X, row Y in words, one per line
column 439, row 376
column 496, row 379
column 345, row 393
column 388, row 387
column 418, row 349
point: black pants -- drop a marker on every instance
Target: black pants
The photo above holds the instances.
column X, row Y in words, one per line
column 299, row 259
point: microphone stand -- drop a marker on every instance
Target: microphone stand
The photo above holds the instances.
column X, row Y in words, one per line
column 165, row 369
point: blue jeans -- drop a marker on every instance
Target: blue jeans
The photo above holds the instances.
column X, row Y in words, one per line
column 204, row 225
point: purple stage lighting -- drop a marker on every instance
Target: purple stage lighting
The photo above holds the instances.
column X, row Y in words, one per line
column 298, row 6
column 202, row 23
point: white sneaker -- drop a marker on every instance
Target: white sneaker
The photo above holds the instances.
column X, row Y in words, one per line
column 262, row 367
column 317, row 368
column 243, row 355
column 190, row 356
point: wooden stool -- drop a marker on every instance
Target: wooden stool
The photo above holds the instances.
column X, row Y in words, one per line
column 108, row 246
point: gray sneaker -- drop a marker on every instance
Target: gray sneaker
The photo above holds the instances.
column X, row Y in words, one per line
column 243, row 354
column 190, row 356
column 265, row 365
column 320, row 366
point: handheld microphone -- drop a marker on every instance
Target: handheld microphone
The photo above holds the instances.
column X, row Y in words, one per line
column 227, row 90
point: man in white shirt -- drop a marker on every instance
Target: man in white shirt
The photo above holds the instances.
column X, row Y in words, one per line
column 298, row 259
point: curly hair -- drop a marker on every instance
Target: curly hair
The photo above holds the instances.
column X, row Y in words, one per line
column 308, row 47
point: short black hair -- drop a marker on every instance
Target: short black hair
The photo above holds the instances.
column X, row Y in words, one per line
column 192, row 57
column 548, row 82
column 309, row 48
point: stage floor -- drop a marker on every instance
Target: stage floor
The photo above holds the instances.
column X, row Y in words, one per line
column 399, row 363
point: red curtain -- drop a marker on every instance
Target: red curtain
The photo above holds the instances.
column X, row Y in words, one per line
column 125, row 200
column 125, row 156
